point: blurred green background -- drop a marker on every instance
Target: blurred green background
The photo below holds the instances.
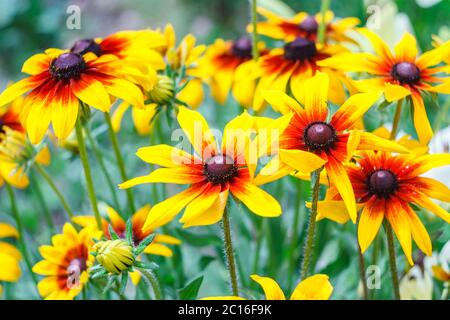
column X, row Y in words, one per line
column 30, row 26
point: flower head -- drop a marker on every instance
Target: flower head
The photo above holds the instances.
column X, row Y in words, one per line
column 310, row 141
column 212, row 173
column 399, row 74
column 386, row 186
column 66, row 263
column 58, row 80
column 305, row 26
column 115, row 256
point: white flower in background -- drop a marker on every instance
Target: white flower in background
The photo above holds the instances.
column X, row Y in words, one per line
column 427, row 3
column 417, row 284
column 440, row 143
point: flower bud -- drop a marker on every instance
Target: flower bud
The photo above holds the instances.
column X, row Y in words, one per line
column 115, row 256
column 162, row 92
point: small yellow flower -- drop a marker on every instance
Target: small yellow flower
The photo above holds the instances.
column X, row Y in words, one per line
column 114, row 255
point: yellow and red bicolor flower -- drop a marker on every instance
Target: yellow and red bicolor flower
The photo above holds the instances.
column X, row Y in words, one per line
column 385, row 186
column 118, row 224
column 9, row 256
column 286, row 68
column 400, row 74
column 186, row 55
column 212, row 173
column 16, row 153
column 310, row 141
column 66, row 263
column 305, row 26
column 222, row 61
column 316, row 287
column 58, row 80
column 137, row 48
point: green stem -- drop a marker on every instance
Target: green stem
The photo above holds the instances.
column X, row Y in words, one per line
column 119, row 158
column 42, row 203
column 153, row 281
column 55, row 189
column 397, row 116
column 307, row 251
column 231, row 264
column 101, row 163
column 392, row 260
column 322, row 26
column 87, row 173
column 22, row 242
column 255, row 51
column 298, row 209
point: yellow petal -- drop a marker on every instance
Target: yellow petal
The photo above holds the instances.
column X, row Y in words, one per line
column 421, row 122
column 164, row 155
column 316, row 287
column 158, row 249
column 435, row 189
column 143, row 118
column 256, row 199
column 199, row 205
column 369, row 141
column 7, row 231
column 398, row 219
column 9, row 268
column 370, row 222
column 335, row 210
column 394, row 92
column 406, row 48
column 271, row 289
column 426, row 203
column 126, row 91
column 118, row 114
column 300, row 160
column 419, row 232
column 313, row 95
column 91, row 92
column 274, row 170
column 281, row 102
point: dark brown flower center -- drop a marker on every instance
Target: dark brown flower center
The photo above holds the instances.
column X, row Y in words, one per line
column 220, row 169
column 86, row 45
column 242, row 48
column 406, row 72
column 67, row 66
column 319, row 136
column 309, row 25
column 382, row 183
column 300, row 49
column 2, row 123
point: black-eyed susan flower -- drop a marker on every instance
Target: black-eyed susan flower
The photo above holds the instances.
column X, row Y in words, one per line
column 212, row 173
column 66, row 263
column 288, row 67
column 311, row 141
column 118, row 225
column 399, row 74
column 9, row 256
column 222, row 61
column 305, row 26
column 316, row 287
column 58, row 80
column 386, row 186
column 17, row 155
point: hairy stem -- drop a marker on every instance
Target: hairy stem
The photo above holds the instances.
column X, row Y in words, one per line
column 229, row 252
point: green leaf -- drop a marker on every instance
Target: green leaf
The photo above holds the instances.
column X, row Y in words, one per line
column 123, row 282
column 146, row 265
column 205, row 261
column 190, row 291
column 129, row 230
column 112, row 233
column 144, row 244
column 199, row 240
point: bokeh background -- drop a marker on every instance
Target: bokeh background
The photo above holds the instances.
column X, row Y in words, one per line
column 30, row 26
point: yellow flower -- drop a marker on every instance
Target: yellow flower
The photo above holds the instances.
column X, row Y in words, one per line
column 399, row 74
column 118, row 224
column 311, row 141
column 9, row 256
column 16, row 154
column 304, row 26
column 212, row 173
column 66, row 263
column 385, row 186
column 223, row 60
column 316, row 287
column 58, row 80
column 114, row 255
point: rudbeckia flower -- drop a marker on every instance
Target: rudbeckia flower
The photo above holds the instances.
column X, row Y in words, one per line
column 310, row 141
column 187, row 55
column 212, row 173
column 386, row 186
column 58, row 81
column 400, row 74
column 287, row 68
column 66, row 263
column 158, row 245
column 305, row 26
column 16, row 155
column 223, row 60
column 9, row 256
column 316, row 287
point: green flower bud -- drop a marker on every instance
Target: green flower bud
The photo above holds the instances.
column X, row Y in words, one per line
column 115, row 256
